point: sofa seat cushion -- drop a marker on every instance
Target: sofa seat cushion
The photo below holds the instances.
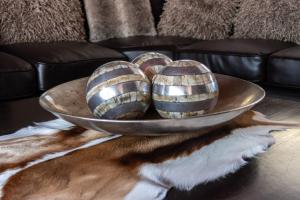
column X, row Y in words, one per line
column 17, row 77
column 60, row 62
column 236, row 57
column 284, row 67
column 134, row 46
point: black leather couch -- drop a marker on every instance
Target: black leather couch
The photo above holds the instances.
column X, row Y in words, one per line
column 30, row 68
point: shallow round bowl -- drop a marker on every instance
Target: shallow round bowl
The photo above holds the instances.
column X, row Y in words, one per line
column 236, row 96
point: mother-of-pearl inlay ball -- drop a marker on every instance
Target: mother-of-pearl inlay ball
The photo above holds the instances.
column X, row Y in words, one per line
column 118, row 90
column 183, row 89
column 151, row 63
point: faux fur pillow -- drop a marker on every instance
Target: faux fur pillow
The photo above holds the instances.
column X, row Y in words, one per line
column 269, row 19
column 201, row 19
column 119, row 18
column 40, row 21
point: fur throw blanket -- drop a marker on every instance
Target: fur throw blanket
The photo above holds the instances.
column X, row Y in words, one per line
column 55, row 160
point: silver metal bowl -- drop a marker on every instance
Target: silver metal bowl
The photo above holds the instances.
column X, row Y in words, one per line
column 236, row 96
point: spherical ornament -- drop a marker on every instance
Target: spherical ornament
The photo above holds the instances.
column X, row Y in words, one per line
column 151, row 63
column 118, row 90
column 183, row 89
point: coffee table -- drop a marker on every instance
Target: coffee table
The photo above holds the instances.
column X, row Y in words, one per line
column 274, row 175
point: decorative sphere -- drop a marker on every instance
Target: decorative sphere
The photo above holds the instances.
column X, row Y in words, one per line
column 183, row 89
column 151, row 63
column 118, row 90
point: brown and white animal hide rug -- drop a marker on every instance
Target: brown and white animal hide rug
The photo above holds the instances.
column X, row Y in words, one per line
column 56, row 160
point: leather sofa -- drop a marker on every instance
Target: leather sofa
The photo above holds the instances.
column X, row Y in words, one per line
column 28, row 69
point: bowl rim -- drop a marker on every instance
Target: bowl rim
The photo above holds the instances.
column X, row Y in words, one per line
column 154, row 120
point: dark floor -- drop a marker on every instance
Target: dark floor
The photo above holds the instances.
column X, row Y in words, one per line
column 281, row 104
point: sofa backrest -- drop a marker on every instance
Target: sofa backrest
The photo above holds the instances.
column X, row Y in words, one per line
column 157, row 8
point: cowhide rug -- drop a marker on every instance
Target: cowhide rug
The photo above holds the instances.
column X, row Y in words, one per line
column 55, row 160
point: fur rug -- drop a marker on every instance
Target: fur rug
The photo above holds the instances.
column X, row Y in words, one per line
column 269, row 19
column 118, row 18
column 55, row 160
column 41, row 21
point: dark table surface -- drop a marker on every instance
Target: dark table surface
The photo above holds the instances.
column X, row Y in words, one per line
column 274, row 175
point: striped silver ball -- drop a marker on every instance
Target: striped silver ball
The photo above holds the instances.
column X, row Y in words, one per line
column 151, row 63
column 183, row 89
column 118, row 90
